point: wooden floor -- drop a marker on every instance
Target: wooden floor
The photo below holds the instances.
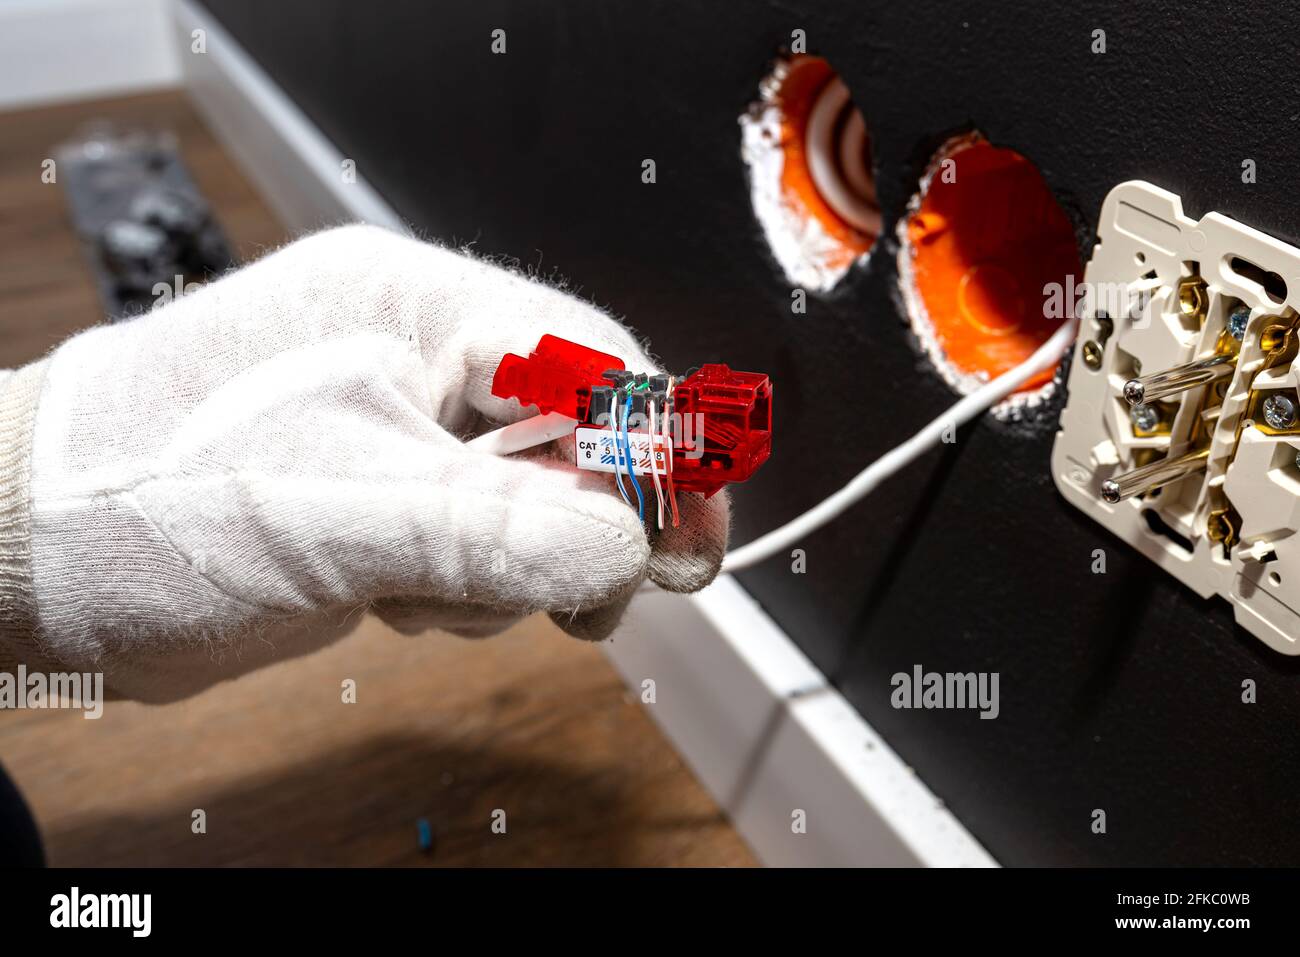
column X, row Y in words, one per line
column 531, row 723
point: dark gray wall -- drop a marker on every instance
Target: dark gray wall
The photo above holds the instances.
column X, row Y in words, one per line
column 1119, row 691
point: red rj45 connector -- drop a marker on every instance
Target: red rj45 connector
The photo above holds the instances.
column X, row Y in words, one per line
column 734, row 411
column 556, row 377
column 719, row 422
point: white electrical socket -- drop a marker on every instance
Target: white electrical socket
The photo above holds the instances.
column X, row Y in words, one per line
column 1146, row 250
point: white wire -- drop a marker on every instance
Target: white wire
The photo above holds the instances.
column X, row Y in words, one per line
column 651, row 434
column 524, row 434
column 973, row 405
column 618, row 453
column 666, row 426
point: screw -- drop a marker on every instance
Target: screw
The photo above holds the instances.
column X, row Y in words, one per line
column 1145, row 418
column 1279, row 411
column 1237, row 321
column 1092, row 355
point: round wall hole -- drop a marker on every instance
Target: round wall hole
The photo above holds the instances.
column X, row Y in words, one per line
column 808, row 150
column 983, row 242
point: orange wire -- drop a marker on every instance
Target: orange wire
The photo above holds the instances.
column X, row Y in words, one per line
column 672, row 492
column 672, row 500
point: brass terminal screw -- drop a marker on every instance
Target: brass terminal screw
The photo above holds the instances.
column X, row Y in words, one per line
column 1092, row 355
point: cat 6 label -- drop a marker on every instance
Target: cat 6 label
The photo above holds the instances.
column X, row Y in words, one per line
column 599, row 450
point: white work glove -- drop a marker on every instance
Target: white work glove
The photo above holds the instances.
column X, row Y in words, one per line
column 236, row 477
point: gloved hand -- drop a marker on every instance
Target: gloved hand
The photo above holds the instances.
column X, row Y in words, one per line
column 238, row 476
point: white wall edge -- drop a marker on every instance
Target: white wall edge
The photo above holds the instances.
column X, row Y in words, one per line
column 754, row 719
column 57, row 50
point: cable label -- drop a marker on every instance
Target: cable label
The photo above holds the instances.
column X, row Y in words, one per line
column 598, row 450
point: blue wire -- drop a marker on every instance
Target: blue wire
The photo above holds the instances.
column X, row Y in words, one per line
column 627, row 446
column 618, row 453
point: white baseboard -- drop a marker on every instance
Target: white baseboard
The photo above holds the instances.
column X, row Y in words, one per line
column 766, row 734
column 757, row 723
column 53, row 50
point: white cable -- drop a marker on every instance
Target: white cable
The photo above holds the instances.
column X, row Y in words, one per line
column 523, row 434
column 987, row 395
